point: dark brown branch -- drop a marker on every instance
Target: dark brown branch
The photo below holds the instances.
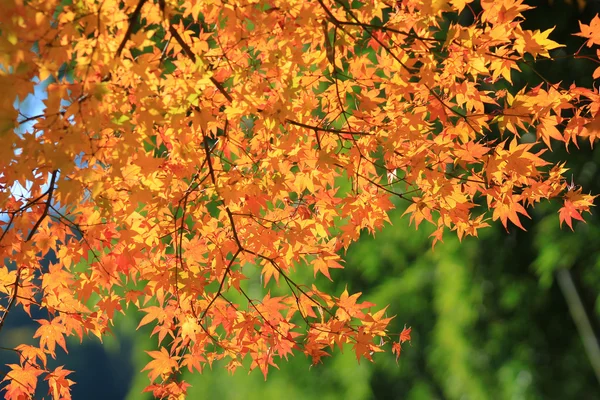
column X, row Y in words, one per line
column 190, row 54
column 221, row 284
column 46, row 208
column 132, row 18
column 275, row 329
column 34, row 117
column 7, row 228
column 13, row 298
column 330, row 130
column 210, row 166
column 388, row 29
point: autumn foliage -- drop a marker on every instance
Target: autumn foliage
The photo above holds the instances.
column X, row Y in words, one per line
column 192, row 150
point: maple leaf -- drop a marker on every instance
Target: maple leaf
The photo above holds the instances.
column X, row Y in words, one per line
column 470, row 152
column 131, row 296
column 152, row 313
column 193, row 360
column 591, row 32
column 324, row 263
column 509, row 210
column 189, row 328
column 405, row 334
column 592, row 130
column 396, row 349
column 270, row 307
column 568, row 212
column 269, row 270
column 547, row 129
column 363, row 345
column 175, row 390
column 50, row 334
column 29, row 353
column 58, row 384
column 535, row 42
column 161, row 365
column 575, row 202
column 419, row 211
column 22, row 381
column 263, row 359
column 348, row 308
column 376, row 323
column 404, row 337
column 110, row 305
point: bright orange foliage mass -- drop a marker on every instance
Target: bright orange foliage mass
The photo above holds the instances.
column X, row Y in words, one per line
column 190, row 148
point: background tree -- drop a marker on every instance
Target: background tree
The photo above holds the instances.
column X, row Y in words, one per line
column 190, row 154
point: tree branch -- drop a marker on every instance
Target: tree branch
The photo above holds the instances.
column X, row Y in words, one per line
column 132, row 18
column 13, row 297
column 190, row 54
column 46, row 208
column 330, row 130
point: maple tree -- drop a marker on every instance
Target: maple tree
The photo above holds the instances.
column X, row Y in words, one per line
column 191, row 149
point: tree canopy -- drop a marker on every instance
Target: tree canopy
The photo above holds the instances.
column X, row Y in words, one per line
column 193, row 158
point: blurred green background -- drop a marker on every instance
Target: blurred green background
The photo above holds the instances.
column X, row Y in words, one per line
column 492, row 318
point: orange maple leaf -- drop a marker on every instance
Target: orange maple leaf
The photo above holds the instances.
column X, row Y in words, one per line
column 591, row 32
column 58, row 383
column 50, row 334
column 363, row 345
column 405, row 334
column 509, row 210
column 396, row 349
column 575, row 202
column 348, row 308
column 161, row 365
column 592, row 130
column 324, row 263
column 22, row 381
column 404, row 337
